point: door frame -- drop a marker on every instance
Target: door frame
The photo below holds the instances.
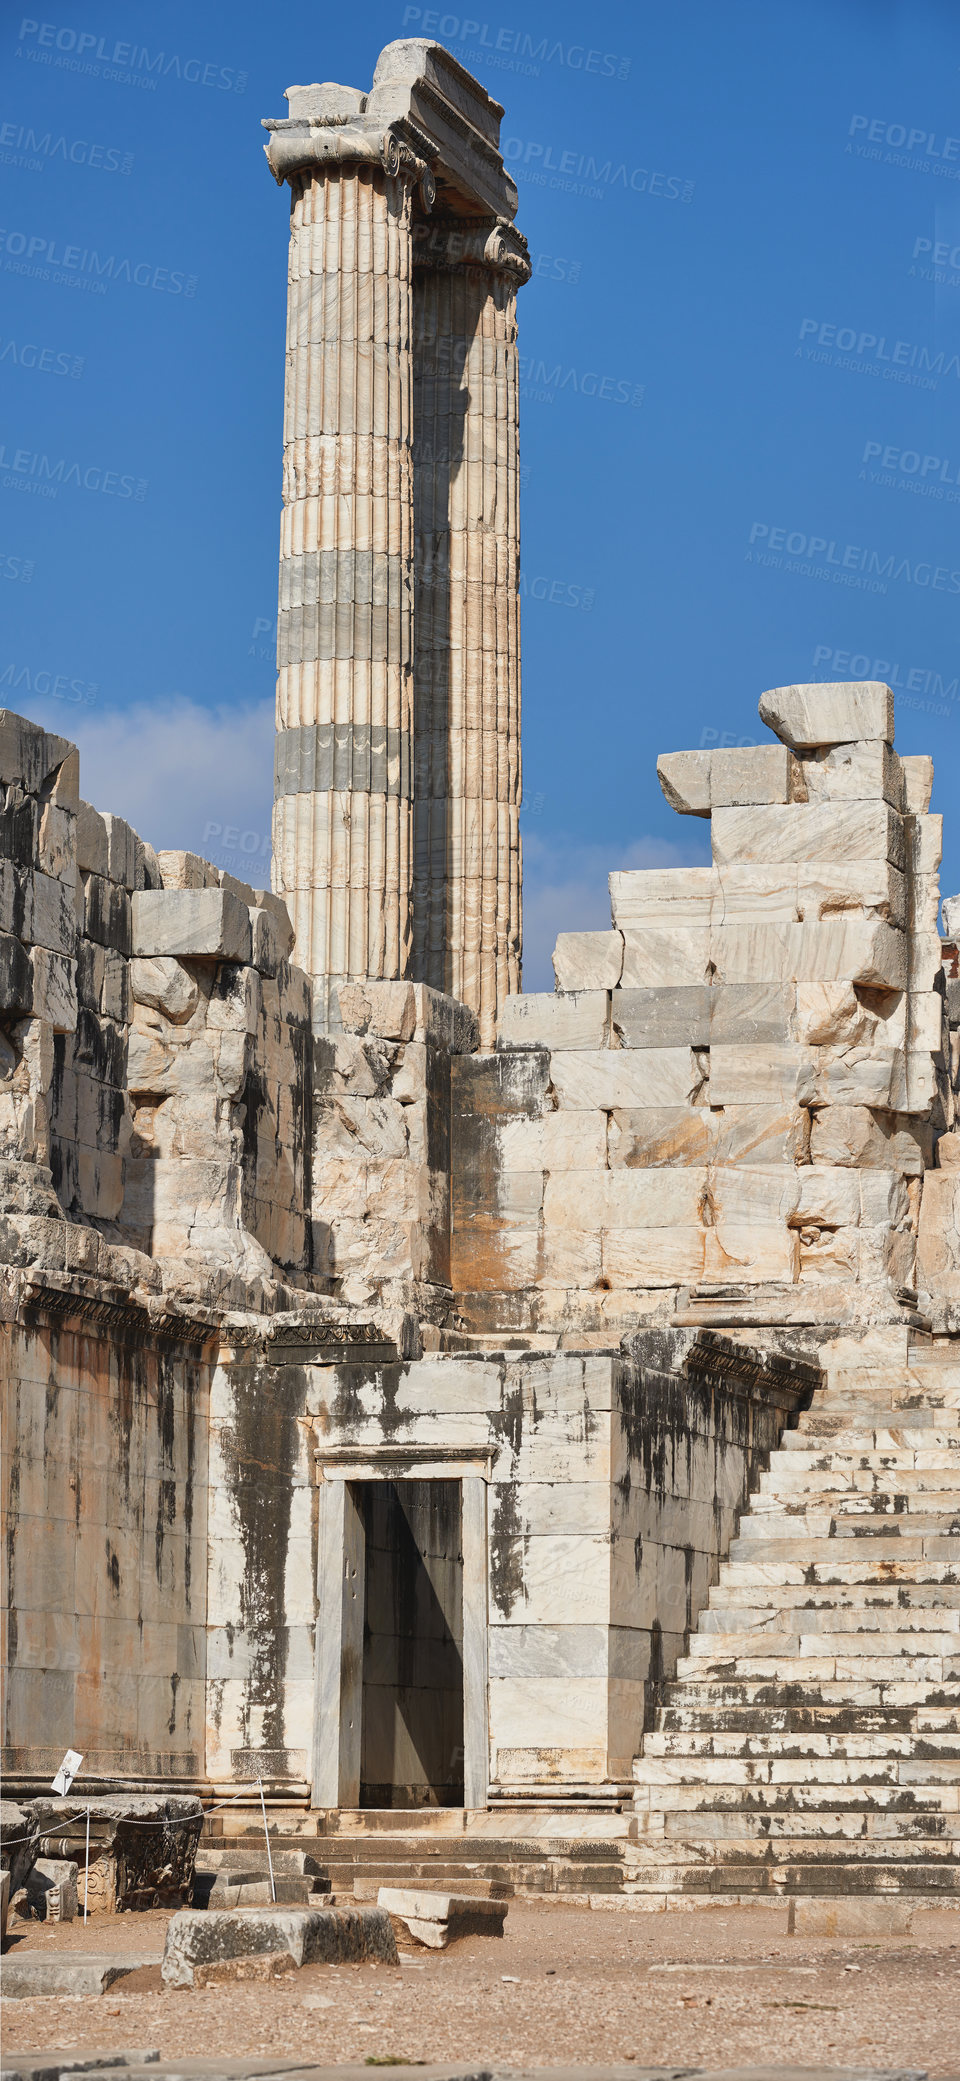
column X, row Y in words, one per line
column 341, row 1575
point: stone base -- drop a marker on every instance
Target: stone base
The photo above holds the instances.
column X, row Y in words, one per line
column 327, row 1936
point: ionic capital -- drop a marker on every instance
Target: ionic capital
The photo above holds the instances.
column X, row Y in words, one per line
column 297, row 145
column 451, row 243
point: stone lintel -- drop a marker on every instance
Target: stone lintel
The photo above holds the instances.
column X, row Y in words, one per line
column 425, row 115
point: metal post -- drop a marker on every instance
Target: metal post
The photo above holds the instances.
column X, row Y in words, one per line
column 86, row 1868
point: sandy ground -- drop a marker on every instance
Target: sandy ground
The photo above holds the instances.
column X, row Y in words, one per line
column 564, row 1984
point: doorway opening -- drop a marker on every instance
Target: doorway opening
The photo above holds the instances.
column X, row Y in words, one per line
column 411, row 1742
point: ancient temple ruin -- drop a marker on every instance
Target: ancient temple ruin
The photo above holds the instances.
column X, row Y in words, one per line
column 537, row 1409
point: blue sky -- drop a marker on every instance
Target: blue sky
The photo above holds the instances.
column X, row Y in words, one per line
column 740, row 403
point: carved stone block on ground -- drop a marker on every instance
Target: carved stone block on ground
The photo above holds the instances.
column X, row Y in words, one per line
column 438, row 1919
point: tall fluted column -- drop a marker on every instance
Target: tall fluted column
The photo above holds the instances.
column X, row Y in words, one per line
column 467, row 868
column 343, row 781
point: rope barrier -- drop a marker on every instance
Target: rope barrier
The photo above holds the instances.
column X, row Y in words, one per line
column 184, row 1821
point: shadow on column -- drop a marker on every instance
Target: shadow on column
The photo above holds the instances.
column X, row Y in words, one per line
column 447, row 305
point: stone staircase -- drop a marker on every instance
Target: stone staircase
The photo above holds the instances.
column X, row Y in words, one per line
column 498, row 1855
column 810, row 1743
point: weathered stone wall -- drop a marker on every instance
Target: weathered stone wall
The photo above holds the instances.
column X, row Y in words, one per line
column 732, row 1099
column 105, row 1504
column 155, row 1047
column 611, row 1489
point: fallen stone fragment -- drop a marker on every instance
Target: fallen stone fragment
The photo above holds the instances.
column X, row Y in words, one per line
column 76, row 1972
column 142, row 1848
column 253, row 1889
column 437, row 1919
column 51, row 1889
column 18, row 1842
column 258, row 1965
column 848, row 1916
column 329, row 1936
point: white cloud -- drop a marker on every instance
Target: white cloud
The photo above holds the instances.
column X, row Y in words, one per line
column 182, row 775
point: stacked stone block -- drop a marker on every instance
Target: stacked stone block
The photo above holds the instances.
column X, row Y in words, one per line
column 155, row 1102
column 381, row 1145
column 38, row 922
column 219, row 1077
column 733, row 1096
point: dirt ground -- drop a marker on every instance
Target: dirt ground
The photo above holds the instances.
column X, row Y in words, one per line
column 564, row 1984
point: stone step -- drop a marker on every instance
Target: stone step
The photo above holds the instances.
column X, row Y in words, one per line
column 923, row 1508
column 927, row 1882
column 455, row 1851
column 861, row 1401
column 896, row 1469
column 844, row 1568
column 914, row 1802
column 816, row 1661
column 835, row 1640
column 818, row 1771
column 888, row 1488
column 822, row 1826
column 854, row 1618
column 704, row 1844
column 812, row 1719
column 759, row 1540
column 844, row 1596
column 709, row 1693
column 840, row 1434
column 932, row 1747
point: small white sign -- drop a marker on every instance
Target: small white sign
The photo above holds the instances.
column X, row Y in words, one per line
column 66, row 1773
